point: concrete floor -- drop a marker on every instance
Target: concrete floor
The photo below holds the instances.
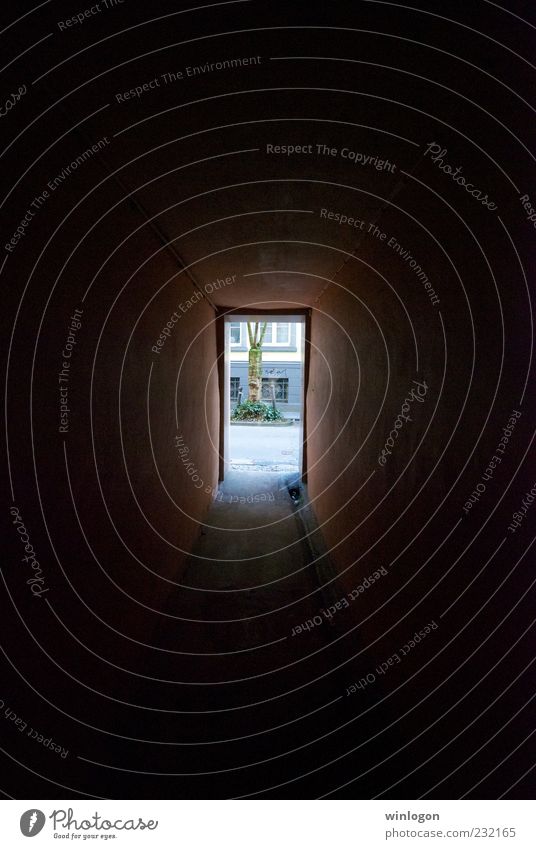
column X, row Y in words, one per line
column 251, row 548
column 230, row 668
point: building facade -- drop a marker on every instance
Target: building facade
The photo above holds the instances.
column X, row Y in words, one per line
column 281, row 364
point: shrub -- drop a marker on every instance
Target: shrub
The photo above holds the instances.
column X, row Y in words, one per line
column 256, row 411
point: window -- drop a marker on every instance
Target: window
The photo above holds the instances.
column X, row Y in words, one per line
column 282, row 336
column 235, row 333
column 235, row 386
column 280, row 385
column 277, row 333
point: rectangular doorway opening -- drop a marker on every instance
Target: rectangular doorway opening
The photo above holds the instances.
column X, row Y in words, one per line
column 263, row 404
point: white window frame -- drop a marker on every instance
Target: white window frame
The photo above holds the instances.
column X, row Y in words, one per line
column 275, row 344
column 241, row 326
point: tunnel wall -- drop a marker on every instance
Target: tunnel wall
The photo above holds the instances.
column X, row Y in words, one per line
column 376, row 338
column 119, row 480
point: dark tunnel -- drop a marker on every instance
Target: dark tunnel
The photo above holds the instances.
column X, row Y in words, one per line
column 365, row 629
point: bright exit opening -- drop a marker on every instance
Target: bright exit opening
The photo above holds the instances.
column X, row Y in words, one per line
column 264, row 366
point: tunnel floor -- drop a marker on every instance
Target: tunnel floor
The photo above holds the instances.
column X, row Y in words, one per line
column 248, row 696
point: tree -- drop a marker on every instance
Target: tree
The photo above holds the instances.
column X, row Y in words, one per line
column 256, row 332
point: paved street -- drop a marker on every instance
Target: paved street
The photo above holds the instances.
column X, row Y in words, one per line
column 269, row 448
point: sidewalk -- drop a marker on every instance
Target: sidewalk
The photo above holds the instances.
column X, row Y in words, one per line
column 265, row 448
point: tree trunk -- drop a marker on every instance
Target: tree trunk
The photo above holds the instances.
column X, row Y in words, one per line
column 256, row 338
column 255, row 373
